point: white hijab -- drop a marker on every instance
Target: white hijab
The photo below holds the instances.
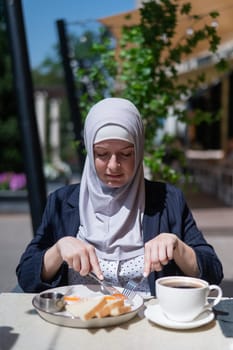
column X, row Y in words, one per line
column 111, row 218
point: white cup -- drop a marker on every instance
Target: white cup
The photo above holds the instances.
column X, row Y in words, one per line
column 183, row 299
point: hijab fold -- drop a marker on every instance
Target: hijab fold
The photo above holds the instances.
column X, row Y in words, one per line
column 111, row 218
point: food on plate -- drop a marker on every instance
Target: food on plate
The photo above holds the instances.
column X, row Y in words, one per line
column 98, row 307
column 118, row 295
column 113, row 308
column 71, row 298
column 86, row 308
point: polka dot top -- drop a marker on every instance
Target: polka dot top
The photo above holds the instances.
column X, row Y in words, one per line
column 118, row 273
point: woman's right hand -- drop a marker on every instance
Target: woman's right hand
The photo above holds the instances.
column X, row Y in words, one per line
column 79, row 255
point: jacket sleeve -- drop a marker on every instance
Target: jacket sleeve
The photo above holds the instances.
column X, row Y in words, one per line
column 54, row 225
column 209, row 264
column 183, row 224
column 167, row 211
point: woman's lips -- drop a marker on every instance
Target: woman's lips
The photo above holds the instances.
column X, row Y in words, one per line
column 113, row 176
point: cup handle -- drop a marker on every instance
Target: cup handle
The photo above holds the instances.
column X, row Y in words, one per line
column 216, row 300
column 219, row 295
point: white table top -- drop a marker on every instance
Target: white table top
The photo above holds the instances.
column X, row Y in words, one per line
column 21, row 328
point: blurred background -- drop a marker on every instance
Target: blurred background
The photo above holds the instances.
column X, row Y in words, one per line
column 58, row 58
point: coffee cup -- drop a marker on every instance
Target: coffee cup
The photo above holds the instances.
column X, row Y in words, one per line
column 183, row 298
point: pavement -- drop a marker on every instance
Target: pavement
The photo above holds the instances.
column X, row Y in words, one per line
column 213, row 217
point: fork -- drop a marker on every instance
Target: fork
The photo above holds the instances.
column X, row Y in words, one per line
column 131, row 285
column 107, row 288
column 128, row 291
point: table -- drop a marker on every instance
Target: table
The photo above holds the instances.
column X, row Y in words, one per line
column 21, row 328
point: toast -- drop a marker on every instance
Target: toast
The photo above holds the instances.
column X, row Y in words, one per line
column 116, row 311
column 86, row 308
column 98, row 307
column 109, row 306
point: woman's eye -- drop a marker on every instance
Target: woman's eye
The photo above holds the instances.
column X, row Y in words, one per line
column 100, row 155
column 126, row 154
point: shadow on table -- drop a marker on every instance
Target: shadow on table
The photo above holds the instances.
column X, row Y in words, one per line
column 7, row 338
column 227, row 287
column 224, row 315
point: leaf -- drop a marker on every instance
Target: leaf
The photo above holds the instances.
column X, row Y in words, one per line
column 148, row 74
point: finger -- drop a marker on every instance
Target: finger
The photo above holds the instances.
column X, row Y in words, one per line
column 156, row 266
column 85, row 264
column 68, row 260
column 170, row 252
column 158, row 257
column 76, row 264
column 147, row 260
column 163, row 258
column 94, row 262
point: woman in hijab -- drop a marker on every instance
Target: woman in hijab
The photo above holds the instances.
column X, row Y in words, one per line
column 116, row 223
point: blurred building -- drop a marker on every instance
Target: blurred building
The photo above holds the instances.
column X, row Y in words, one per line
column 208, row 143
column 216, row 94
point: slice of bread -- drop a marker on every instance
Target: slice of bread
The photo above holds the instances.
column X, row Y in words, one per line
column 111, row 304
column 86, row 308
column 116, row 311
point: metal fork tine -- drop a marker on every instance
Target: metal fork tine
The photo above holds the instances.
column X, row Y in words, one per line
column 129, row 290
column 126, row 292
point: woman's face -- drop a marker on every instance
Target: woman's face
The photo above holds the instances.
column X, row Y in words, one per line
column 114, row 162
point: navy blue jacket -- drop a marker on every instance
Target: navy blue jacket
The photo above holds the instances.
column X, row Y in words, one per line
column 165, row 211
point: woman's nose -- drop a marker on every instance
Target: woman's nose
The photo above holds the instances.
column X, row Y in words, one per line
column 113, row 163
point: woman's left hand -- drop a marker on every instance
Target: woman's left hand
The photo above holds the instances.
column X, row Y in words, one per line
column 165, row 247
column 159, row 251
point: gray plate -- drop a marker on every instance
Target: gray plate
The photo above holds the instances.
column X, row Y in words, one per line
column 63, row 318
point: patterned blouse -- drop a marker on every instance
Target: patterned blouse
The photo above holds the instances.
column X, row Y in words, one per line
column 118, row 273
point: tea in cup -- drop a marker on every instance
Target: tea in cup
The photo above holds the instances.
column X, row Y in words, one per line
column 183, row 298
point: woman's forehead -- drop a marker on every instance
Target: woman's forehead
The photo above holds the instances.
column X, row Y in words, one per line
column 113, row 144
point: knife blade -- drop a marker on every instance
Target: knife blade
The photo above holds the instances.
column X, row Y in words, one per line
column 106, row 287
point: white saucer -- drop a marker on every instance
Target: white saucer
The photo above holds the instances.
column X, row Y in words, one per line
column 154, row 314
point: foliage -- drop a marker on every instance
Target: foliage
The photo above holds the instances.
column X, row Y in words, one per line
column 96, row 71
column 49, row 74
column 154, row 58
column 148, row 71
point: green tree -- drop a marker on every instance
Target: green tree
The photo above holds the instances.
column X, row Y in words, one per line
column 148, row 73
column 49, row 74
column 96, row 67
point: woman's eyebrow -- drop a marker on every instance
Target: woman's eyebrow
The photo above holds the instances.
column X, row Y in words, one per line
column 128, row 147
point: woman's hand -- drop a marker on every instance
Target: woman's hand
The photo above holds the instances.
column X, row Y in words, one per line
column 165, row 247
column 159, row 251
column 78, row 254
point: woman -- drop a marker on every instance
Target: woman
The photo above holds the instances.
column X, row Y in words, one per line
column 116, row 223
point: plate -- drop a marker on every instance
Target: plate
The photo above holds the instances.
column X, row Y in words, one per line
column 155, row 314
column 63, row 318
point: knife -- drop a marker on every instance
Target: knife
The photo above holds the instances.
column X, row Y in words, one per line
column 106, row 287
